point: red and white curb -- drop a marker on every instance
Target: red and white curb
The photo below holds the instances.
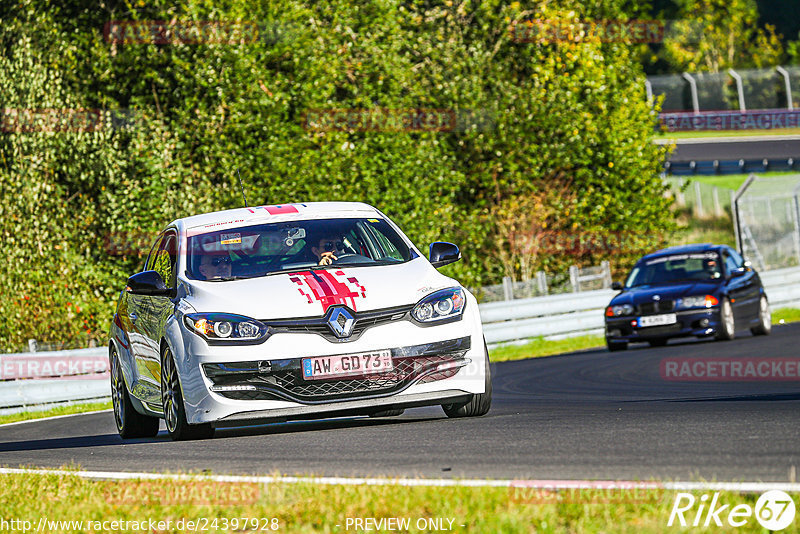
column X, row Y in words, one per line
column 742, row 487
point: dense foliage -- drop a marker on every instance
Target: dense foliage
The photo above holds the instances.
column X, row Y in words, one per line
column 550, row 138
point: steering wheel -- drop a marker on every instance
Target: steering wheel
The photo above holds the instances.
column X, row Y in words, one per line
column 349, row 257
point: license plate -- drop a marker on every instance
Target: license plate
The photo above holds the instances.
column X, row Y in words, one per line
column 658, row 320
column 347, row 365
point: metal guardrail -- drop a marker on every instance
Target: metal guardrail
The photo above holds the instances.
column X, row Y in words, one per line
column 30, row 381
column 36, row 380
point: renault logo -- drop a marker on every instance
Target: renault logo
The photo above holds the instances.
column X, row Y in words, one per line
column 341, row 322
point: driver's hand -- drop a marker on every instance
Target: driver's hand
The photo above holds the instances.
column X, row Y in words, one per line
column 327, row 258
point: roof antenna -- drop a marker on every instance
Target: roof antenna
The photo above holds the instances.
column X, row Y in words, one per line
column 242, row 186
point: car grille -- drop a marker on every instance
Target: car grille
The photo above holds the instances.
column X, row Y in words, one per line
column 284, row 380
column 660, row 306
column 319, row 325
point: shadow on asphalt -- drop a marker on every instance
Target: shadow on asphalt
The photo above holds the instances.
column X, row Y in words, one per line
column 319, row 425
column 105, row 440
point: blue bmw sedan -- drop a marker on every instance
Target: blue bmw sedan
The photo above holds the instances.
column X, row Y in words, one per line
column 687, row 291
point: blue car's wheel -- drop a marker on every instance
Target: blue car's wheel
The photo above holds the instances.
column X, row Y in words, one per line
column 727, row 325
column 764, row 319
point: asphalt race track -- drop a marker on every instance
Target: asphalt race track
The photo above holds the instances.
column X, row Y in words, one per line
column 733, row 149
column 588, row 415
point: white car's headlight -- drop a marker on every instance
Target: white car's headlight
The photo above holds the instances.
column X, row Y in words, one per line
column 227, row 328
column 442, row 306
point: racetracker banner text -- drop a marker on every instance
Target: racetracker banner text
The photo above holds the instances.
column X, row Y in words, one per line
column 730, row 120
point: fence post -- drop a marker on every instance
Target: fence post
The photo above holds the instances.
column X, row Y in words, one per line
column 573, row 279
column 698, row 200
column 32, row 345
column 679, row 197
column 797, row 223
column 717, row 205
column 508, row 290
column 541, row 281
column 606, row 274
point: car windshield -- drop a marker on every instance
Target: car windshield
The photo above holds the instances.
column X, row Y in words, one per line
column 252, row 251
column 675, row 268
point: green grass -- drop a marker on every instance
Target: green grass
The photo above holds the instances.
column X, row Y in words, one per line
column 542, row 347
column 694, row 230
column 787, row 315
column 309, row 507
column 726, row 133
column 60, row 410
column 735, row 181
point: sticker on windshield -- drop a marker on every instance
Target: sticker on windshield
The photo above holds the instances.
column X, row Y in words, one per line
column 230, row 239
column 681, row 257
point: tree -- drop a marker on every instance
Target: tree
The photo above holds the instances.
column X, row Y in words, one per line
column 714, row 35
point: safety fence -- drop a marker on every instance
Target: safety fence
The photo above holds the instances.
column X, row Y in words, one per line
column 575, row 280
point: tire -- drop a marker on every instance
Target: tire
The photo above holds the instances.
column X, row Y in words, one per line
column 479, row 404
column 727, row 328
column 764, row 327
column 388, row 413
column 616, row 346
column 130, row 423
column 172, row 402
column 658, row 342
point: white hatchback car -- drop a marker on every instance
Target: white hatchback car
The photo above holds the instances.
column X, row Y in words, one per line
column 298, row 311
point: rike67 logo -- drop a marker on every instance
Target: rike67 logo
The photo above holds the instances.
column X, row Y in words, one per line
column 774, row 510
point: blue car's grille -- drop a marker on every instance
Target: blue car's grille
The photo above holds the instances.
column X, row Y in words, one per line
column 657, row 306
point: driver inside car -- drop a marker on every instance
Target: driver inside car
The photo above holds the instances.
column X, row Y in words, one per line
column 328, row 250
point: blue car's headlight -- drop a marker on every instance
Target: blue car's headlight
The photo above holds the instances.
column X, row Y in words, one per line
column 619, row 310
column 224, row 328
column 698, row 301
column 441, row 306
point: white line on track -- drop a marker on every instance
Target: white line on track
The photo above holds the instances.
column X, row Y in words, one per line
column 37, row 419
column 732, row 139
column 743, row 487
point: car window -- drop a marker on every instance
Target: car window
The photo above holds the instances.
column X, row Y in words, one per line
column 164, row 259
column 675, row 268
column 388, row 248
column 148, row 266
column 251, row 251
column 736, row 258
column 730, row 263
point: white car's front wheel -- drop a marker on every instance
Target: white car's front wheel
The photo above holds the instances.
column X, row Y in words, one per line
column 172, row 402
column 130, row 423
column 479, row 404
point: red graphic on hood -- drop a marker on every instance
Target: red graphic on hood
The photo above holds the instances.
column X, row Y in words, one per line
column 324, row 287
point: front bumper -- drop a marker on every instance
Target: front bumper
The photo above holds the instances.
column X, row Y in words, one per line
column 690, row 323
column 235, row 385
